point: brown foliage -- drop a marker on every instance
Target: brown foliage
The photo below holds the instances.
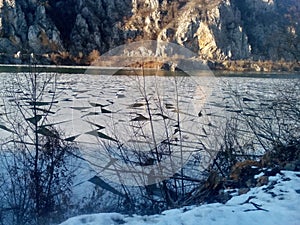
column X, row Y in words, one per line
column 241, row 169
column 93, row 56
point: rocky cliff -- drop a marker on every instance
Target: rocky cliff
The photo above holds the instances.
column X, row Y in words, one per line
column 213, row 29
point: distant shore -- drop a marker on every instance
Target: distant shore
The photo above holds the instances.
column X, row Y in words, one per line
column 226, row 67
column 255, row 66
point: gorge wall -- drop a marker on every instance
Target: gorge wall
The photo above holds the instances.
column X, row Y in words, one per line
column 213, row 29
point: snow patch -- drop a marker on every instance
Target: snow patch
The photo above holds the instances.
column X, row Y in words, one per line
column 275, row 203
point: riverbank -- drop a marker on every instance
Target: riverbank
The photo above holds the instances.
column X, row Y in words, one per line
column 219, row 68
column 271, row 204
column 255, row 66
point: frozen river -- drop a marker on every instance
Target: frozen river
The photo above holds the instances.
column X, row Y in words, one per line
column 163, row 118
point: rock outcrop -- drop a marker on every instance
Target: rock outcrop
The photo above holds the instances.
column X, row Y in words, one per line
column 216, row 30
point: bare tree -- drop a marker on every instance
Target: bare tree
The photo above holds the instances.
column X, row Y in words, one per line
column 152, row 147
column 33, row 154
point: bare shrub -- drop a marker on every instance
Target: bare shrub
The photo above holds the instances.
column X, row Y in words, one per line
column 152, row 147
column 35, row 157
column 263, row 127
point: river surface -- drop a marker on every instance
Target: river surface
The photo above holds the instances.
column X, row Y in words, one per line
column 162, row 118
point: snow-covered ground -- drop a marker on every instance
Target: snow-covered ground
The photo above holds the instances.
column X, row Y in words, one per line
column 275, row 203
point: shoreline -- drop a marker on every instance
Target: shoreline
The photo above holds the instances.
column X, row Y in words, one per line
column 255, row 66
column 219, row 68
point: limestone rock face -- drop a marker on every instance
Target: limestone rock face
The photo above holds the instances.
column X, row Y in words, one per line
column 98, row 24
column 213, row 29
column 28, row 28
column 218, row 34
column 273, row 27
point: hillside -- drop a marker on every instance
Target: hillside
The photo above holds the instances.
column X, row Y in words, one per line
column 76, row 31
